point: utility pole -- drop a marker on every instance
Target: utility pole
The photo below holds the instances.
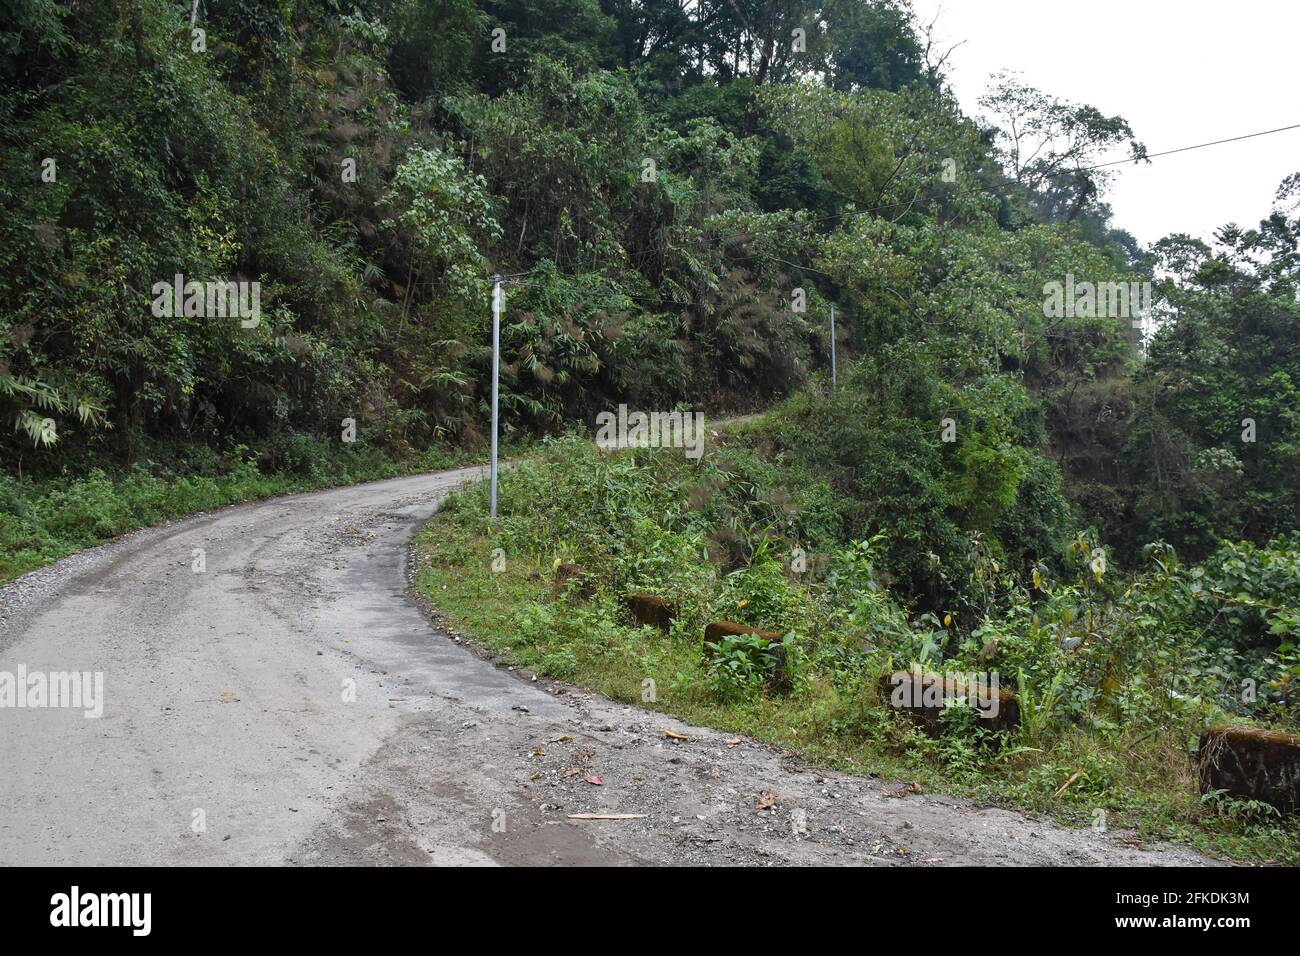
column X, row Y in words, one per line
column 832, row 348
column 496, row 370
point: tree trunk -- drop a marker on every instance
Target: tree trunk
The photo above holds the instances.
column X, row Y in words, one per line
column 764, row 60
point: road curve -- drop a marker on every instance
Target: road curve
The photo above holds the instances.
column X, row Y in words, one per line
column 290, row 703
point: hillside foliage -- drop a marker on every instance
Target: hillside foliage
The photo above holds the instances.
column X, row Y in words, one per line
column 678, row 194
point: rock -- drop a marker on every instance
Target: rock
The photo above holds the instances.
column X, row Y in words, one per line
column 922, row 696
column 779, row 681
column 1252, row 764
column 651, row 611
column 715, row 632
column 575, row 576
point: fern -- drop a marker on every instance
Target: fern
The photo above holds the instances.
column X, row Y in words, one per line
column 32, row 396
column 1036, row 712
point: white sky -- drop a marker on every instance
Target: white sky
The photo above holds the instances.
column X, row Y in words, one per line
column 1180, row 71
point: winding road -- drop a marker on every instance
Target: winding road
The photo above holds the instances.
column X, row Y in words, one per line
column 285, row 701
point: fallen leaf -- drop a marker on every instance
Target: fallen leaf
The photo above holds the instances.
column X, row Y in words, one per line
column 672, row 736
column 563, row 738
column 607, row 816
column 595, row 781
column 732, row 742
column 766, row 802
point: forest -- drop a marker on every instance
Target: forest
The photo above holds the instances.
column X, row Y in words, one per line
column 1006, row 472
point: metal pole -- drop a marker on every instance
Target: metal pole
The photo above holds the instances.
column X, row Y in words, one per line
column 496, row 370
column 832, row 347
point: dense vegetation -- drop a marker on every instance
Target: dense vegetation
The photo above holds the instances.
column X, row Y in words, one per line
column 1116, row 673
column 678, row 195
column 668, row 186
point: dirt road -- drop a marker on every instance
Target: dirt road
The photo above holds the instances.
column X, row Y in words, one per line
column 279, row 699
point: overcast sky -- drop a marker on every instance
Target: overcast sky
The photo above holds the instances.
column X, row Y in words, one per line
column 1180, row 71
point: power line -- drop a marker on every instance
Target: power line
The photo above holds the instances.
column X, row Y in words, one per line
column 1006, row 181
column 1184, row 149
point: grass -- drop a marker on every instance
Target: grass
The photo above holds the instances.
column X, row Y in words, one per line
column 1137, row 780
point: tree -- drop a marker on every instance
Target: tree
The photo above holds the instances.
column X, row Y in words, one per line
column 1048, row 144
